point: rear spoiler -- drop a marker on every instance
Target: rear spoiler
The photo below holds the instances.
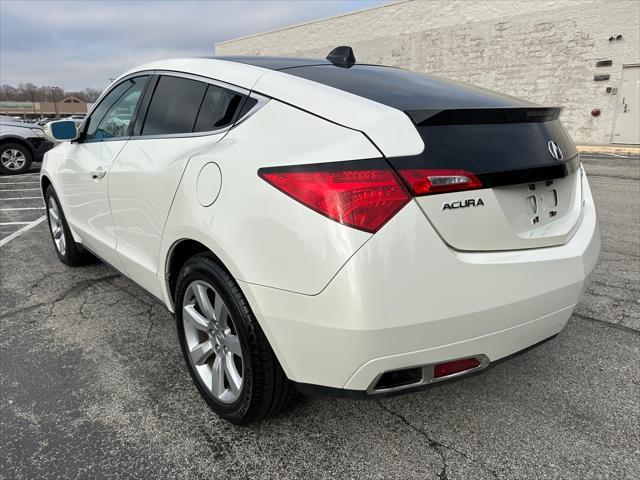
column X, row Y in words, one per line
column 501, row 146
column 475, row 116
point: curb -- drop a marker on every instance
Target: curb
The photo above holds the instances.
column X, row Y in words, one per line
column 600, row 149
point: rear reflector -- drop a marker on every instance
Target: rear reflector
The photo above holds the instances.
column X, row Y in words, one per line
column 363, row 194
column 427, row 182
column 455, row 366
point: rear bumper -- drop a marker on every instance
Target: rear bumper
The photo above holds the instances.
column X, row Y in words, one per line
column 405, row 300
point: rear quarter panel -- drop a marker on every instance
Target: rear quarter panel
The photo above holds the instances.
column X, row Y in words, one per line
column 261, row 235
column 390, row 129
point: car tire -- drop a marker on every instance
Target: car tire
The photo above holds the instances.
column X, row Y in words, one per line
column 69, row 252
column 204, row 291
column 14, row 159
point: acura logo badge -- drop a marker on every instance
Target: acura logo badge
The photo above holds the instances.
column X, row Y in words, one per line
column 555, row 151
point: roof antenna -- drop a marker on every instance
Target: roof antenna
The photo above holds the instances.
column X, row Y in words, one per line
column 342, row 56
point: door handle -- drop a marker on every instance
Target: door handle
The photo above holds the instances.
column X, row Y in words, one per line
column 98, row 174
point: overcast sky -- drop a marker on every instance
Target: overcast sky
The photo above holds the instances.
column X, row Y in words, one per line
column 78, row 44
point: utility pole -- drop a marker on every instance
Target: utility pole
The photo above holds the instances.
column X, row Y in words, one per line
column 55, row 105
column 33, row 102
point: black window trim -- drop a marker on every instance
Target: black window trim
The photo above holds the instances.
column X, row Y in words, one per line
column 84, row 124
column 261, row 101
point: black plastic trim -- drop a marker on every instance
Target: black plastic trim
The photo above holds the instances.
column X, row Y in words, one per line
column 365, row 164
column 477, row 116
column 273, row 63
column 530, row 175
column 39, row 146
column 143, row 105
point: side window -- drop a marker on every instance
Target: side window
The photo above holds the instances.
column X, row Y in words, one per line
column 174, row 106
column 112, row 116
column 218, row 109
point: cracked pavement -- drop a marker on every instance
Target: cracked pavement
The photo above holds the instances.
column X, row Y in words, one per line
column 93, row 385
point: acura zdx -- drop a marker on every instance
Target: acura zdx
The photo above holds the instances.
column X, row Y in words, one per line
column 324, row 226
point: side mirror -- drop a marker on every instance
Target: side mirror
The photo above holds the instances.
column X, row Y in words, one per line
column 62, row 130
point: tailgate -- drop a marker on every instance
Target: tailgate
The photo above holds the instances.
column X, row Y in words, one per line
column 528, row 182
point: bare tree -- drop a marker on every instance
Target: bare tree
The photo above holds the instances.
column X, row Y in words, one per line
column 28, row 92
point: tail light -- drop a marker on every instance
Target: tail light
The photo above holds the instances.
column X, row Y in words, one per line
column 363, row 194
column 427, row 182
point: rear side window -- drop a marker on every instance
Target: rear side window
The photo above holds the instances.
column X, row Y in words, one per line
column 174, row 106
column 218, row 109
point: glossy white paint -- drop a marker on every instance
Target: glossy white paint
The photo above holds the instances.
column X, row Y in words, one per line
column 208, row 184
column 390, row 129
column 505, row 221
column 440, row 305
column 142, row 183
column 338, row 305
column 238, row 74
column 83, row 196
column 261, row 235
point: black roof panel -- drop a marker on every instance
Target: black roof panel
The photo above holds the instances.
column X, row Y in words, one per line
column 274, row 63
column 395, row 87
column 404, row 89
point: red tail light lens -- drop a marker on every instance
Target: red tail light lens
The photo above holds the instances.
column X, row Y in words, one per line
column 456, row 366
column 362, row 194
column 427, row 182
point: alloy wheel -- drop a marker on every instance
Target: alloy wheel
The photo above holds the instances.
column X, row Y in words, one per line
column 212, row 341
column 55, row 223
column 13, row 159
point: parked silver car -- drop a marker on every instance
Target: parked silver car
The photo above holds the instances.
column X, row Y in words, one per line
column 20, row 144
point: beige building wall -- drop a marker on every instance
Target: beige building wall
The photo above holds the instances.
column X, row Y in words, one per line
column 543, row 51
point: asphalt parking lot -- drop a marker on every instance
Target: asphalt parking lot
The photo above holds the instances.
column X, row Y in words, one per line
column 93, row 385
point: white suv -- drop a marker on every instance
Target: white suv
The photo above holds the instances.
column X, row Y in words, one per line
column 324, row 226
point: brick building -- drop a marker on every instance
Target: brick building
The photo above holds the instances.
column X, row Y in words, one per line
column 580, row 54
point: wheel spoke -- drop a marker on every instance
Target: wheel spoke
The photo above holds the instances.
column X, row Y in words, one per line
column 53, row 212
column 205, row 311
column 202, row 298
column 221, row 311
column 217, row 377
column 201, row 352
column 233, row 344
column 234, row 378
column 191, row 315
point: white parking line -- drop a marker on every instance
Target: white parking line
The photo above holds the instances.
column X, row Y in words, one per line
column 19, row 183
column 590, row 155
column 20, row 198
column 20, row 190
column 21, row 208
column 21, row 175
column 29, row 226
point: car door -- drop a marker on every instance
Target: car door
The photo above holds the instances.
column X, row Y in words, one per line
column 182, row 115
column 84, row 175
